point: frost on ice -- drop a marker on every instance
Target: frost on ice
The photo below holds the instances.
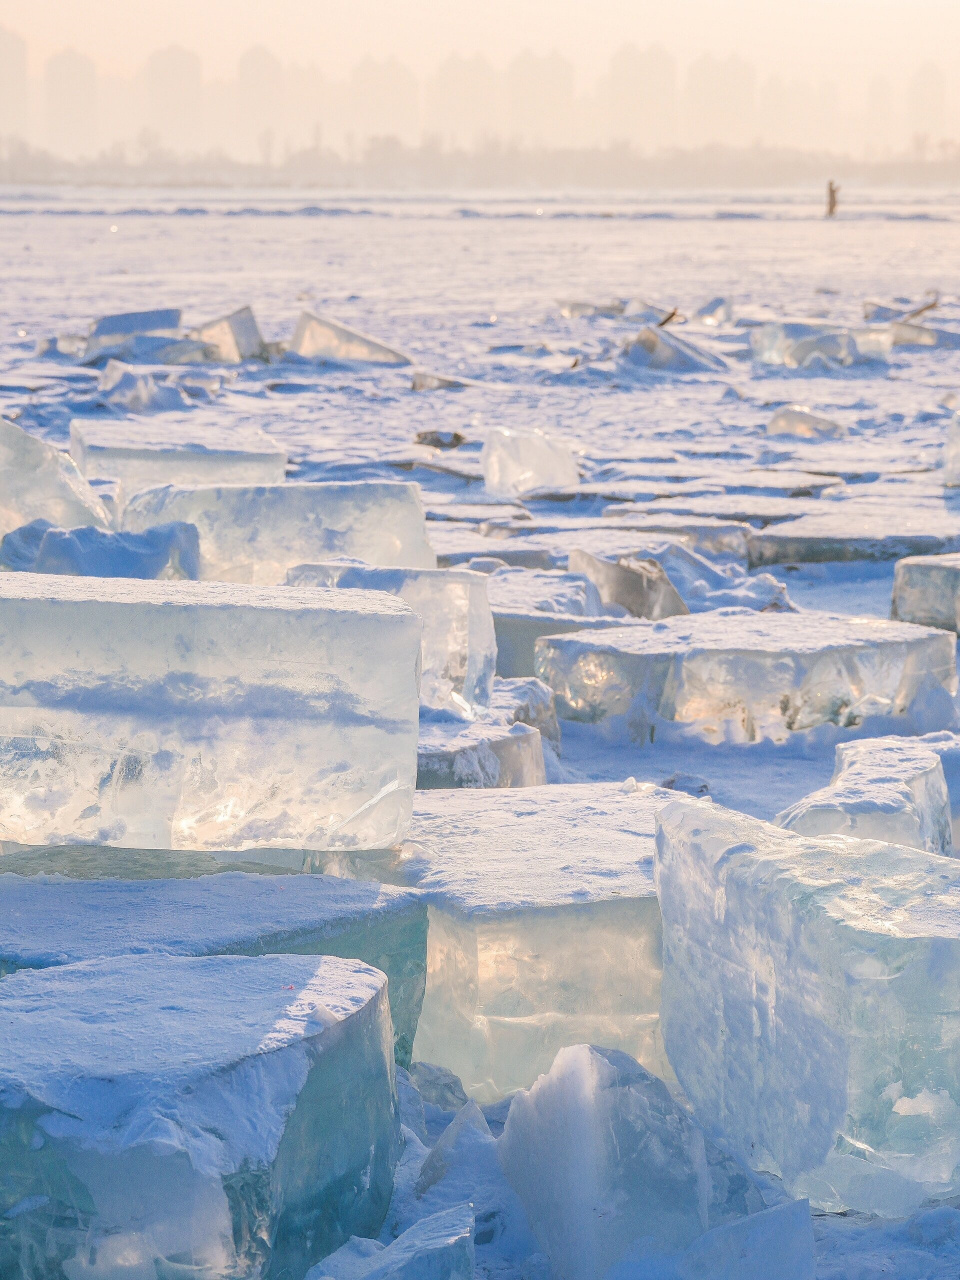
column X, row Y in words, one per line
column 516, row 462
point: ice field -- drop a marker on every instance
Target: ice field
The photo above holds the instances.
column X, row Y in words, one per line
column 479, row 737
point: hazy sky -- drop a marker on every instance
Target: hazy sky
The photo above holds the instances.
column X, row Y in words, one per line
column 857, row 38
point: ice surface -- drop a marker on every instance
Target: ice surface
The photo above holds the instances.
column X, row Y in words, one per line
column 926, row 590
column 738, row 675
column 319, row 338
column 510, row 878
column 663, row 352
column 38, row 481
column 886, row 532
column 604, row 1159
column 168, row 1117
column 487, row 753
column 806, row 995
column 204, row 715
column 438, row 1247
column 459, row 646
column 257, row 533
column 49, row 921
column 515, row 462
column 175, row 452
column 165, row 551
column 233, row 338
column 797, row 420
column 639, row 586
column 890, row 789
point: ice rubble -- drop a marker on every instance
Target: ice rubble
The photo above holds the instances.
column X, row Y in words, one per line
column 459, row 646
column 199, row 715
column 234, row 338
column 257, row 533
column 517, row 462
column 38, row 481
column 797, row 420
column 804, row 989
column 438, row 1247
column 882, row 532
column 482, row 754
column 46, row 922
column 738, row 675
column 327, row 340
column 660, row 351
column 175, row 452
column 129, row 1146
column 165, row 551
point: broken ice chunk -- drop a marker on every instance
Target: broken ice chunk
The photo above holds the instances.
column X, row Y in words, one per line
column 807, row 990
column 796, row 420
column 516, row 462
column 889, row 789
column 257, row 533
column 732, row 673
column 716, row 312
column 483, row 754
column 204, row 715
column 438, row 1247
column 656, row 349
column 124, row 388
column 233, row 338
column 166, row 551
column 459, row 647
column 114, row 331
column 639, row 586
column 525, row 701
column 809, row 344
column 604, row 1159
column 38, row 481
column 926, row 590
column 323, row 339
column 217, row 1117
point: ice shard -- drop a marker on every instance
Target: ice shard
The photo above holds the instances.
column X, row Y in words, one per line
column 659, row 351
column 438, row 1247
column 165, row 551
column 639, row 586
column 322, row 339
column 233, row 338
column 39, row 482
column 926, row 590
column 486, row 753
column 515, row 462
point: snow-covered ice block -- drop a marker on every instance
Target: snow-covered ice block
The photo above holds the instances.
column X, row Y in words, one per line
column 510, row 877
column 324, row 339
column 233, row 338
column 486, row 753
column 438, row 1247
column 797, row 420
column 808, row 995
column 704, row 585
column 740, row 675
column 604, row 1159
column 459, row 646
column 663, row 352
column 38, row 481
column 857, row 533
column 639, row 586
column 257, row 533
column 890, row 789
column 175, row 452
column 525, row 701
column 926, row 590
column 227, row 1117
column 204, row 715
column 166, row 551
column 515, row 462
column 50, row 921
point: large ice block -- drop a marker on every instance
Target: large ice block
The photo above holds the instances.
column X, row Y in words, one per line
column 660, row 351
column 51, row 921
column 890, row 789
column 204, row 715
column 459, row 646
column 735, row 674
column 327, row 340
column 809, row 995
column 165, row 551
column 438, row 1247
column 175, row 452
column 257, row 533
column 233, row 338
column 518, row 461
column 487, row 753
column 227, row 1118
column 510, row 878
column 38, row 481
column 856, row 533
column 926, row 590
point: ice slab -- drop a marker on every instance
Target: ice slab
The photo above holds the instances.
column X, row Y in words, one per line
column 459, row 645
column 510, row 877
column 257, row 533
column 165, row 551
column 890, row 789
column 487, row 753
column 926, row 590
column 639, row 586
column 602, row 1157
column 660, row 351
column 225, row 1117
column 204, row 715
column 884, row 532
column 175, row 452
column 233, row 338
column 733, row 674
column 797, row 420
column 317, row 338
column 438, row 1247
column 38, row 481
column 806, row 995
column 50, row 921
column 515, row 462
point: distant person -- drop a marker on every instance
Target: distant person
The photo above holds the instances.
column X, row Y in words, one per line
column 833, row 191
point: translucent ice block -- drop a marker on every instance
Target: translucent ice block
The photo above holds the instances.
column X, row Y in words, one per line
column 233, row 338
column 882, row 789
column 257, row 533
column 808, row 995
column 516, row 462
column 175, row 452
column 811, row 344
column 46, row 922
column 324, row 339
column 796, row 420
column 639, row 586
column 204, row 715
column 487, row 753
column 115, row 330
column 438, row 1247
column 459, row 647
column 166, row 551
column 38, row 481
column 663, row 352
column 736, row 674
column 926, row 589
column 226, row 1118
